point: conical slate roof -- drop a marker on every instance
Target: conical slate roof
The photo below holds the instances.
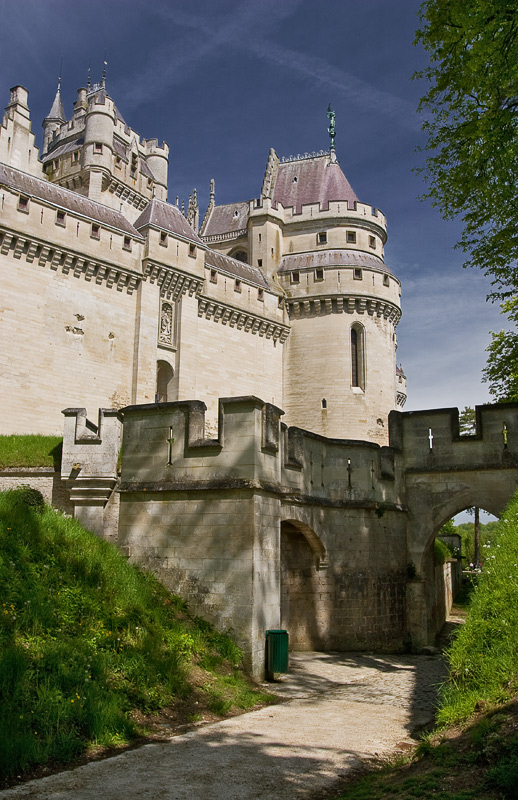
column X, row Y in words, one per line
column 57, row 112
column 311, row 180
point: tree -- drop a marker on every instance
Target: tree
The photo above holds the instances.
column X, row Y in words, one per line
column 472, row 127
column 472, row 142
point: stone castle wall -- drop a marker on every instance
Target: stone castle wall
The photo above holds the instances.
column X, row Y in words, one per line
column 264, row 526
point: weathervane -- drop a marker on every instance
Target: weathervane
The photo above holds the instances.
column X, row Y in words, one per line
column 331, row 130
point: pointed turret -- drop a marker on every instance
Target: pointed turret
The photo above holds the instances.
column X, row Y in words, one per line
column 54, row 119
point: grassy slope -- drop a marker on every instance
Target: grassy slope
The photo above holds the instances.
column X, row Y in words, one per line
column 30, row 451
column 89, row 644
column 473, row 752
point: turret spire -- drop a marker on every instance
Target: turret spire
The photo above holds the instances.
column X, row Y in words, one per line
column 105, row 64
column 331, row 130
column 57, row 111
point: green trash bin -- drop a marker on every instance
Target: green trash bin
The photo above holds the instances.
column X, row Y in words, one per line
column 276, row 653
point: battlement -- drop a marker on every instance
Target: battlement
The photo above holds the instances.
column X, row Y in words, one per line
column 165, row 450
column 430, row 440
column 350, row 211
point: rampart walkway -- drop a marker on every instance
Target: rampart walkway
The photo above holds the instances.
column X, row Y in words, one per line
column 342, row 710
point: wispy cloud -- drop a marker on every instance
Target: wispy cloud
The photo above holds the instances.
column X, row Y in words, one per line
column 248, row 28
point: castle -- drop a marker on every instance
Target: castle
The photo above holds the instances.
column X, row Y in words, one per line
column 247, row 366
column 112, row 296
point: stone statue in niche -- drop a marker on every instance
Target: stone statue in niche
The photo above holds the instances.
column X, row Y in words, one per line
column 165, row 334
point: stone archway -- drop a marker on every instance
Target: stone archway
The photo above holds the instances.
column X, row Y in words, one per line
column 164, row 382
column 302, row 559
column 432, row 499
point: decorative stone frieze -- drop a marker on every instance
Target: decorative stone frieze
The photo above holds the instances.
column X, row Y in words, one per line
column 126, row 194
column 242, row 320
column 66, row 261
column 172, row 282
column 342, row 304
column 223, row 237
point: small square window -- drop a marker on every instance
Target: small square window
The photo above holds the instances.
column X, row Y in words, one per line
column 163, row 238
column 259, row 262
column 127, row 243
column 192, row 250
column 237, row 285
column 319, row 274
column 386, row 280
column 95, row 233
column 98, row 148
column 118, row 162
column 260, row 295
column 213, row 276
column 280, row 302
column 372, row 242
column 23, row 204
column 60, row 218
column 357, row 274
column 351, row 237
column 75, row 157
column 322, row 238
column 295, row 276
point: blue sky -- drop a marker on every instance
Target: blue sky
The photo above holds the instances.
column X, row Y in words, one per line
column 222, row 81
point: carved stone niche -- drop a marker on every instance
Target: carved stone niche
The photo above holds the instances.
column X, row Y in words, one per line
column 167, row 324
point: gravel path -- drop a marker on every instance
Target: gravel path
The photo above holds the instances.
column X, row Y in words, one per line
column 341, row 710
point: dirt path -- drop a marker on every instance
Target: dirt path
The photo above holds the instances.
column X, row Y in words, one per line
column 341, row 710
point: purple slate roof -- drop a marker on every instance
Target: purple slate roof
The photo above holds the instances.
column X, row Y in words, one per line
column 169, row 218
column 238, row 268
column 64, row 198
column 333, row 258
column 119, row 148
column 62, row 149
column 311, row 180
column 227, row 219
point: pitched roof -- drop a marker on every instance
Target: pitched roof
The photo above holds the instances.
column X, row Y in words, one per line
column 228, row 218
column 234, row 267
column 333, row 258
column 169, row 218
column 311, row 180
column 61, row 149
column 65, row 198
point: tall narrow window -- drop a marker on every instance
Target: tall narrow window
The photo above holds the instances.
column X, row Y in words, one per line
column 357, row 357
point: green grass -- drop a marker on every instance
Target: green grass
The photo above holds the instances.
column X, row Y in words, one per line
column 30, row 451
column 86, row 639
column 483, row 658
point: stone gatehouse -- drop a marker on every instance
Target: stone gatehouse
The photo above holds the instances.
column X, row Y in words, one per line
column 268, row 525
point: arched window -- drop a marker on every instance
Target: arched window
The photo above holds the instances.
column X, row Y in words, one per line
column 164, row 382
column 240, row 255
column 358, row 356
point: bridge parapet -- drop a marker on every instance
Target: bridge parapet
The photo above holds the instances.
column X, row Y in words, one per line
column 164, row 449
column 430, row 440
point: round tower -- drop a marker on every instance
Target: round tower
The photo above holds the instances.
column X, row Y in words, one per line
column 157, row 159
column 343, row 303
column 97, row 153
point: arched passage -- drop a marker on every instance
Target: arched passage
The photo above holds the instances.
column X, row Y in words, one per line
column 432, row 499
column 164, row 382
column 303, row 562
